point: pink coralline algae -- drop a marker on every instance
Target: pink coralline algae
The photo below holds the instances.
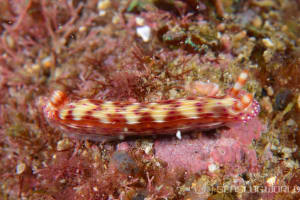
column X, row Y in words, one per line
column 230, row 150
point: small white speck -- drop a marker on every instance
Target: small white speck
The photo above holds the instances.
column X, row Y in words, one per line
column 178, row 134
column 125, row 129
column 243, row 75
column 144, row 32
column 268, row 42
column 95, row 189
column 102, row 13
column 20, row 168
column 47, row 62
column 64, row 144
column 82, row 29
column 139, row 21
column 10, row 41
column 212, row 167
column 103, row 4
column 271, row 180
column 121, row 137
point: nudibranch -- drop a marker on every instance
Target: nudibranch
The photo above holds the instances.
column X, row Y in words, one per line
column 105, row 120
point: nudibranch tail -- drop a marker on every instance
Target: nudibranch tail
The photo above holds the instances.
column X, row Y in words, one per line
column 97, row 118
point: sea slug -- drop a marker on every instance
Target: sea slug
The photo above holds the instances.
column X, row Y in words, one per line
column 106, row 120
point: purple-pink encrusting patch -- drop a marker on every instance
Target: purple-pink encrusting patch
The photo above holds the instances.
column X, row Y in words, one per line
column 230, row 149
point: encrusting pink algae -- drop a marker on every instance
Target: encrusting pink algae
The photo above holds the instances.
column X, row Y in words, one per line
column 228, row 149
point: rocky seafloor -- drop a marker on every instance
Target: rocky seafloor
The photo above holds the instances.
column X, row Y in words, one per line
column 145, row 51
